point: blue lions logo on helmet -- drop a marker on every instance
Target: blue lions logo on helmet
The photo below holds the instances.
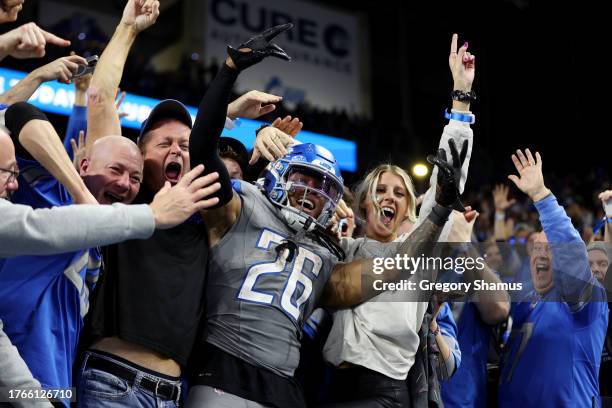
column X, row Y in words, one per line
column 306, row 184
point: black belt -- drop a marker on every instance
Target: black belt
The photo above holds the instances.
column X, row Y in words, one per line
column 160, row 388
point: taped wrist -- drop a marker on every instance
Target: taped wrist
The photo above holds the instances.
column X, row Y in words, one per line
column 20, row 113
column 439, row 215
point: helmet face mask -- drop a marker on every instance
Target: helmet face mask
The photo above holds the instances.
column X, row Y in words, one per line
column 306, row 185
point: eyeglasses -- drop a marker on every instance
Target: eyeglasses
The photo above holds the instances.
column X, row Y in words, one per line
column 12, row 176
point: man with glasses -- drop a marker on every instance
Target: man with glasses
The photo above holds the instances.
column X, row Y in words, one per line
column 55, row 302
column 11, row 179
column 25, row 231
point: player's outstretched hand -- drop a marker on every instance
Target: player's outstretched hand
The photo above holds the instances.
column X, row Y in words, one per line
column 449, row 175
column 258, row 47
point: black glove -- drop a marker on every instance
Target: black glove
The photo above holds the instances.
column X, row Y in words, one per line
column 447, row 193
column 260, row 46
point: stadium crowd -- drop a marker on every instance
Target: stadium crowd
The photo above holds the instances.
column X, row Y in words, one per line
column 181, row 269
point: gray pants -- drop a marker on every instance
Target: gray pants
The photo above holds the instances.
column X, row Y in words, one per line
column 14, row 373
column 203, row 396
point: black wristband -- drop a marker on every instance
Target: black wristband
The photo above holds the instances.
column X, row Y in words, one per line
column 463, row 96
column 20, row 113
column 439, row 215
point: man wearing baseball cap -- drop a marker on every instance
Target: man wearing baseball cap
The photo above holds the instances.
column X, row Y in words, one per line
column 149, row 283
column 147, row 307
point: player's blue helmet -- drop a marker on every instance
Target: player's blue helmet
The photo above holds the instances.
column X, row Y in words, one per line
column 285, row 176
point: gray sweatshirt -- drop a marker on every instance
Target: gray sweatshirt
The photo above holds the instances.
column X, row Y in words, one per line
column 25, row 231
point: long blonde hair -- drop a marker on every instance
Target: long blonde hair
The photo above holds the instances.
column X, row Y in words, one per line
column 369, row 184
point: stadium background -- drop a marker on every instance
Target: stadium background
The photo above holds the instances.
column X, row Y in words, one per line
column 539, row 72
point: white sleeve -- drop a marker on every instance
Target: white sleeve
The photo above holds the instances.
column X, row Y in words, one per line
column 25, row 231
column 459, row 132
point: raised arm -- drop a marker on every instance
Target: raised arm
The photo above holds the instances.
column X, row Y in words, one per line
column 501, row 203
column 26, row 231
column 354, row 282
column 102, row 118
column 77, row 121
column 571, row 273
column 35, row 137
column 210, row 120
column 493, row 305
column 463, row 71
column 61, row 70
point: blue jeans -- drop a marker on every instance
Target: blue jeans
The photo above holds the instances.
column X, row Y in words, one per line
column 97, row 388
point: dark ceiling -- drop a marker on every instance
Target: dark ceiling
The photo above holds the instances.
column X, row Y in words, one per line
column 539, row 71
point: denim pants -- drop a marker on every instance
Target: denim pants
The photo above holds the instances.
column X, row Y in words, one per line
column 97, row 388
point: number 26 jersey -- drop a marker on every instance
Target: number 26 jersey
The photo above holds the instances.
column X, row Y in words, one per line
column 258, row 298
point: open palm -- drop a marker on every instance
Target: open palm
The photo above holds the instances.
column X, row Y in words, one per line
column 530, row 179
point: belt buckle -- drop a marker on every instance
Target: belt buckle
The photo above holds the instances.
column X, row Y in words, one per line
column 159, row 387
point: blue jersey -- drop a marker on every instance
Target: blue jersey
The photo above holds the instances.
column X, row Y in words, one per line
column 448, row 329
column 467, row 388
column 76, row 122
column 43, row 298
column 553, row 354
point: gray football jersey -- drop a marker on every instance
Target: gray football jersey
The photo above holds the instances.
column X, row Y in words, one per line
column 258, row 300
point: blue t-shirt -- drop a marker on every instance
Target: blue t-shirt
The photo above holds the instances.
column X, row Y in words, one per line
column 76, row 122
column 448, row 328
column 553, row 354
column 467, row 388
column 44, row 298
column 552, row 357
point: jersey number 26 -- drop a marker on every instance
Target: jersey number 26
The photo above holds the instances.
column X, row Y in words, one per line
column 298, row 274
